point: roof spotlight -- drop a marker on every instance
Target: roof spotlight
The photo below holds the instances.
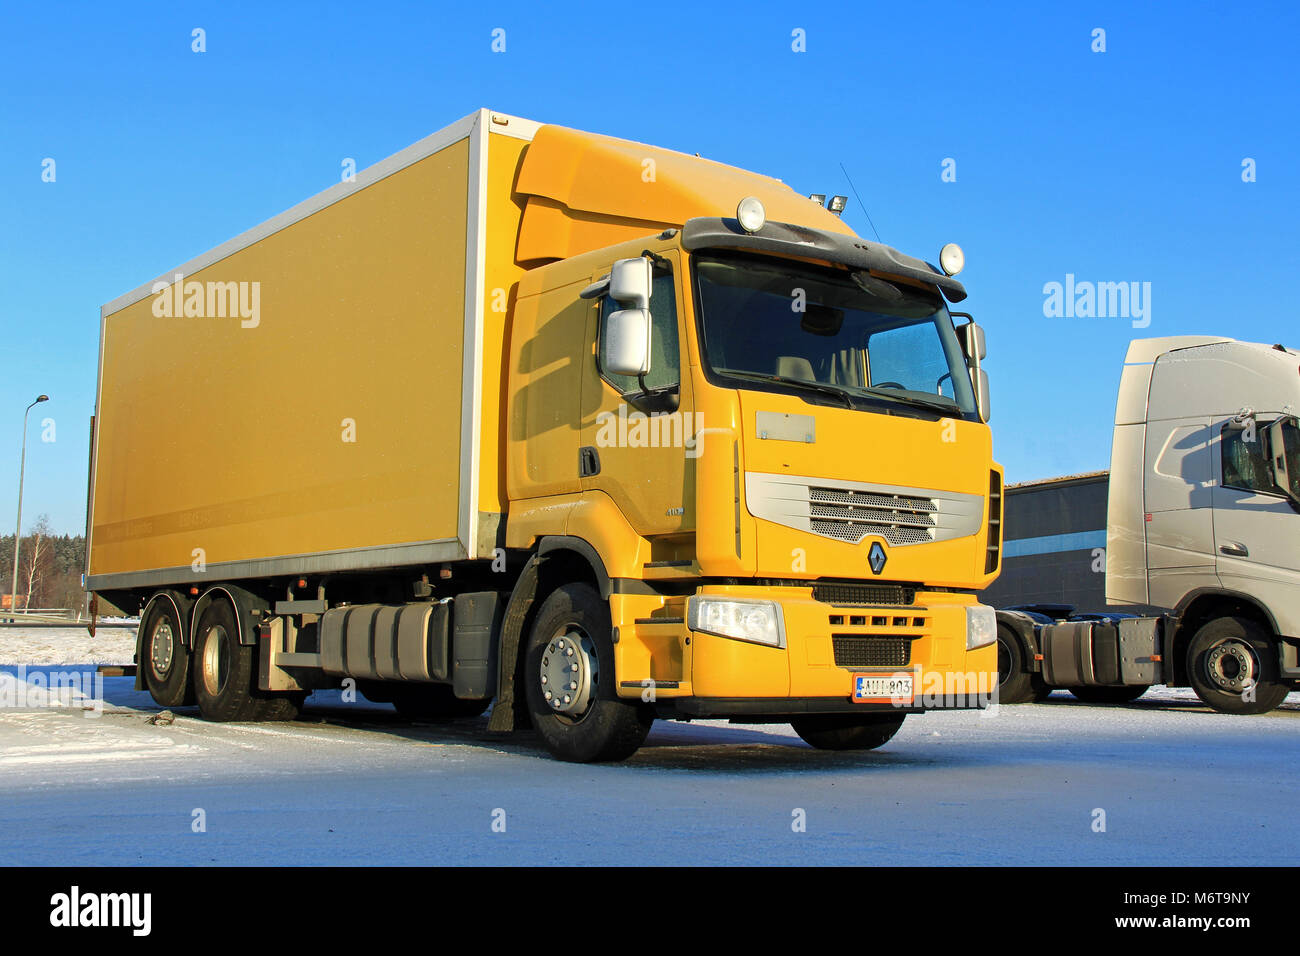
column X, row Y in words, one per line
column 951, row 259
column 751, row 214
column 818, row 198
column 837, row 204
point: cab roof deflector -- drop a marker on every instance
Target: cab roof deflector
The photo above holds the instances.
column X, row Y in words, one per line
column 780, row 237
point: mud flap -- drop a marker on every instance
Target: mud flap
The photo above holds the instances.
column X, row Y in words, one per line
column 510, row 712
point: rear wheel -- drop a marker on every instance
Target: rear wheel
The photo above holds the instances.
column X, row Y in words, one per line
column 1107, row 695
column 848, row 732
column 225, row 674
column 164, row 658
column 1232, row 666
column 569, row 681
column 1015, row 682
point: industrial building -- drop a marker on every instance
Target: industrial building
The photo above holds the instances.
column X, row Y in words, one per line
column 1054, row 549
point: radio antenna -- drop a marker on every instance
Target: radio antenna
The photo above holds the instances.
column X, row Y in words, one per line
column 861, row 203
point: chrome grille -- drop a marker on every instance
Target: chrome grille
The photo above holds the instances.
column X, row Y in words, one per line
column 852, row 515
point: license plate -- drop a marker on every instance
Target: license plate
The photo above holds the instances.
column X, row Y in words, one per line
column 882, row 689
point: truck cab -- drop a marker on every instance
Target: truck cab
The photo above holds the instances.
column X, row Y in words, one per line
column 1203, row 522
column 773, row 439
column 1204, row 511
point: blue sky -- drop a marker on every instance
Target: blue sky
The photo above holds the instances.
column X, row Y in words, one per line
column 1117, row 166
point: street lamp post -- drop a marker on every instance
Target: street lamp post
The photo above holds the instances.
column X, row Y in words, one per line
column 18, row 531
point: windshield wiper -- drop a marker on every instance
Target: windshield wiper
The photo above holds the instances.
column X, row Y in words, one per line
column 894, row 394
column 811, row 386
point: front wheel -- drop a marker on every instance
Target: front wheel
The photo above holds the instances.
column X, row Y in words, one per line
column 848, row 732
column 1232, row 666
column 570, row 681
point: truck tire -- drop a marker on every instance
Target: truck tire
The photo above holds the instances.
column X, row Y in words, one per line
column 433, row 702
column 164, row 658
column 848, row 732
column 1016, row 684
column 225, row 674
column 1225, row 656
column 570, row 683
column 1108, row 695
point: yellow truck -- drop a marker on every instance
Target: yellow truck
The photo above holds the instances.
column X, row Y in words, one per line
column 586, row 430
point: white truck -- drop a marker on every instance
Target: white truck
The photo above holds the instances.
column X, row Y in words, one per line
column 1203, row 519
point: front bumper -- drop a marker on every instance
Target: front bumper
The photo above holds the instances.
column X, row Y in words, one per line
column 827, row 644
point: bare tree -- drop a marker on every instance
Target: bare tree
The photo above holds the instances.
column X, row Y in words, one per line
column 36, row 561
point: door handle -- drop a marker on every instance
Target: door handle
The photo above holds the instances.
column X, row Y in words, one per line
column 588, row 462
column 1234, row 549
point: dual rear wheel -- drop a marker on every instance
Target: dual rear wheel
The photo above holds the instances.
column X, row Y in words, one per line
column 220, row 674
column 225, row 673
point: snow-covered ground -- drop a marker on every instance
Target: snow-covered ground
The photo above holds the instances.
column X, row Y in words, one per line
column 66, row 645
column 351, row 783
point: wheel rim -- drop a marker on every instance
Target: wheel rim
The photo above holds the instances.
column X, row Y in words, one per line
column 1232, row 666
column 162, row 649
column 569, row 672
column 216, row 661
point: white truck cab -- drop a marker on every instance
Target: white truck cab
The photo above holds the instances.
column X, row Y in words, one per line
column 1203, row 519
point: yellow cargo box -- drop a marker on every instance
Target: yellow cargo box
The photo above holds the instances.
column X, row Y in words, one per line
column 307, row 396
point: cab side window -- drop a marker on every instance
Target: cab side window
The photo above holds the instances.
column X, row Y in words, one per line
column 663, row 345
column 1246, row 463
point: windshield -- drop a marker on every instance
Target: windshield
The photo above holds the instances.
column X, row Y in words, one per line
column 815, row 330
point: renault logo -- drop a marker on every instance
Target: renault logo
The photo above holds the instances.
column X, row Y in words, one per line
column 876, row 557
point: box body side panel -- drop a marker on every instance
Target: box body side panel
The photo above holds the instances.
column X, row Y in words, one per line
column 319, row 414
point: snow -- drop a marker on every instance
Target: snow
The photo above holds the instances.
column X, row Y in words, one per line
column 66, row 645
column 352, row 783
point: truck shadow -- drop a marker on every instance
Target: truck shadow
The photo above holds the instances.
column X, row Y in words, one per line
column 670, row 746
column 1191, row 705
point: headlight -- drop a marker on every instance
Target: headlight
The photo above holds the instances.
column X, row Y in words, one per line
column 759, row 622
column 981, row 626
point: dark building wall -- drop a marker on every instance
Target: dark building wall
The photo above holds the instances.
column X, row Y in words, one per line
column 1052, row 534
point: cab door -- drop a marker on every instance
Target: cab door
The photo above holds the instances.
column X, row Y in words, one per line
column 639, row 446
column 1256, row 529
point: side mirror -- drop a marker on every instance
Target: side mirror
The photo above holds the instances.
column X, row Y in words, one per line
column 1277, row 454
column 979, row 380
column 627, row 340
column 629, row 283
column 971, row 337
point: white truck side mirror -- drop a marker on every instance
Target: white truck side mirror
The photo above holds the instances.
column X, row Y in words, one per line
column 629, row 283
column 627, row 341
column 1277, row 454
